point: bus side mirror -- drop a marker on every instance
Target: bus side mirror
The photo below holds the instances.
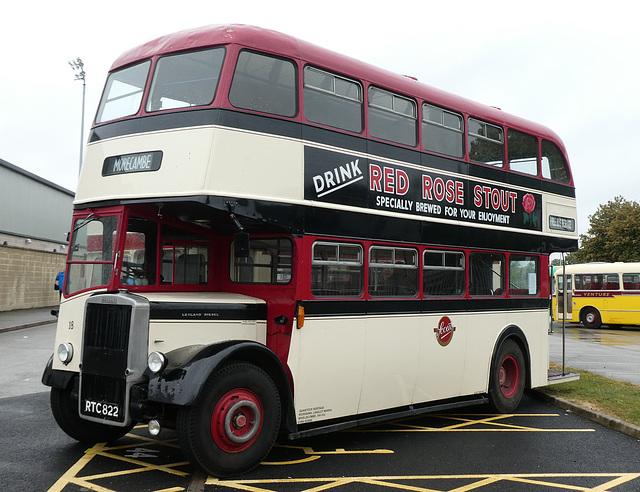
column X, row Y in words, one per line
column 241, row 245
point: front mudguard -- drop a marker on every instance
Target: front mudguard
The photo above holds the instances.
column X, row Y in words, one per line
column 56, row 379
column 188, row 368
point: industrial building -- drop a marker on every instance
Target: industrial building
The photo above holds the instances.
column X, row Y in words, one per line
column 35, row 218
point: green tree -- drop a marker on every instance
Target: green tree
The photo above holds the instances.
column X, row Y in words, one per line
column 613, row 235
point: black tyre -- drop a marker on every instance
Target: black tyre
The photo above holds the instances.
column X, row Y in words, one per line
column 233, row 425
column 591, row 318
column 508, row 376
column 65, row 411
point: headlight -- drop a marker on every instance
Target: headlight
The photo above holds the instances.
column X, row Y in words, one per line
column 65, row 353
column 156, row 362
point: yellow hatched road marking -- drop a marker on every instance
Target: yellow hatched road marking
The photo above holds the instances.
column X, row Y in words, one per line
column 313, row 455
column 544, row 480
column 101, row 449
column 464, row 424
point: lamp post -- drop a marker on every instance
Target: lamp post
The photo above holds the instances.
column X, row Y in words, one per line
column 78, row 66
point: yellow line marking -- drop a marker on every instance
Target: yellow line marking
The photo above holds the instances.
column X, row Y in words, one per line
column 310, row 450
column 76, row 468
column 493, row 421
column 480, row 481
column 314, row 455
column 101, row 449
column 168, row 468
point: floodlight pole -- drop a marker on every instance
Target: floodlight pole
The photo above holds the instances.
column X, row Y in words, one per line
column 78, row 65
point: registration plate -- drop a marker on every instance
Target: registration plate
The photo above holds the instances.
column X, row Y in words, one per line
column 101, row 410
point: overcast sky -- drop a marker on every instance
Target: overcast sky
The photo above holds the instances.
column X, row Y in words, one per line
column 570, row 65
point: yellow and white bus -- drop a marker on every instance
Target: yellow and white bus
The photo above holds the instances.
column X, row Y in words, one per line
column 597, row 294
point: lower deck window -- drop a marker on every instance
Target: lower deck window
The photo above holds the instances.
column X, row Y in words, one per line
column 486, row 274
column 337, row 270
column 443, row 273
column 393, row 272
column 523, row 275
column 269, row 262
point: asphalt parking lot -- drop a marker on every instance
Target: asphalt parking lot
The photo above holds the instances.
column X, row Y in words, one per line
column 540, row 447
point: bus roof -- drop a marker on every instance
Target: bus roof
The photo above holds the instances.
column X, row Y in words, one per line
column 600, row 268
column 287, row 46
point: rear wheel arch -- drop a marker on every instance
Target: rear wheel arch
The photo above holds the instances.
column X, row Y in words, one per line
column 509, row 370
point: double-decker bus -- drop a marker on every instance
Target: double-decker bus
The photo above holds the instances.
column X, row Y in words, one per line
column 272, row 240
column 597, row 293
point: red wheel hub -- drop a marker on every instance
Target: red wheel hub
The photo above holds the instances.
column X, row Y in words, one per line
column 509, row 376
column 236, row 420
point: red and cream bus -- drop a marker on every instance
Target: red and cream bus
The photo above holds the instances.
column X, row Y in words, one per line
column 271, row 240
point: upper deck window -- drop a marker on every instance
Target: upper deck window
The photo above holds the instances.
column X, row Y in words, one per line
column 554, row 166
column 486, row 143
column 332, row 100
column 264, row 83
column 123, row 92
column 185, row 79
column 523, row 152
column 442, row 131
column 392, row 117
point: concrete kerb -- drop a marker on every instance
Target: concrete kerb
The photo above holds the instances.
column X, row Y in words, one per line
column 26, row 318
column 26, row 325
column 600, row 418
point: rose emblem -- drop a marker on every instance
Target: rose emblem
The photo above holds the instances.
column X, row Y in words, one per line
column 529, row 203
column 529, row 206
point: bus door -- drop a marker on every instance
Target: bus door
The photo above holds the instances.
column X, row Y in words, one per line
column 564, row 311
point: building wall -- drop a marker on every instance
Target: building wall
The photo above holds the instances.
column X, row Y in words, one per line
column 33, row 207
column 35, row 217
column 27, row 278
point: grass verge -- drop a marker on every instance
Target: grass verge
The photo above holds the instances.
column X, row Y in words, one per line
column 614, row 398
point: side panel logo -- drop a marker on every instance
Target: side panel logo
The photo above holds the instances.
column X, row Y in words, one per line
column 444, row 331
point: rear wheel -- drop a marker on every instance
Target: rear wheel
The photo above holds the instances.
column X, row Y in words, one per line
column 591, row 318
column 234, row 423
column 508, row 375
column 66, row 413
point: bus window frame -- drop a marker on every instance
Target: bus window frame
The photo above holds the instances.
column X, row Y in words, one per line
column 295, row 88
column 107, row 88
column 338, row 263
column 158, row 65
column 391, row 285
column 444, row 268
column 471, row 138
column 442, row 126
column 274, row 267
column 394, row 114
column 334, row 95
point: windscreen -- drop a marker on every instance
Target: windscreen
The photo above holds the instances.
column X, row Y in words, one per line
column 123, row 92
column 91, row 253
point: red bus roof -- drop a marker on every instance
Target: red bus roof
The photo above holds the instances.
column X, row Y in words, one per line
column 273, row 42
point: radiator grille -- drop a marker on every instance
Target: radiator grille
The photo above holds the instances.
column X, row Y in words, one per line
column 107, row 326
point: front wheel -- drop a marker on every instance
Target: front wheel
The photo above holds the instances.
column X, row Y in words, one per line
column 591, row 318
column 508, row 375
column 66, row 413
column 234, row 423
